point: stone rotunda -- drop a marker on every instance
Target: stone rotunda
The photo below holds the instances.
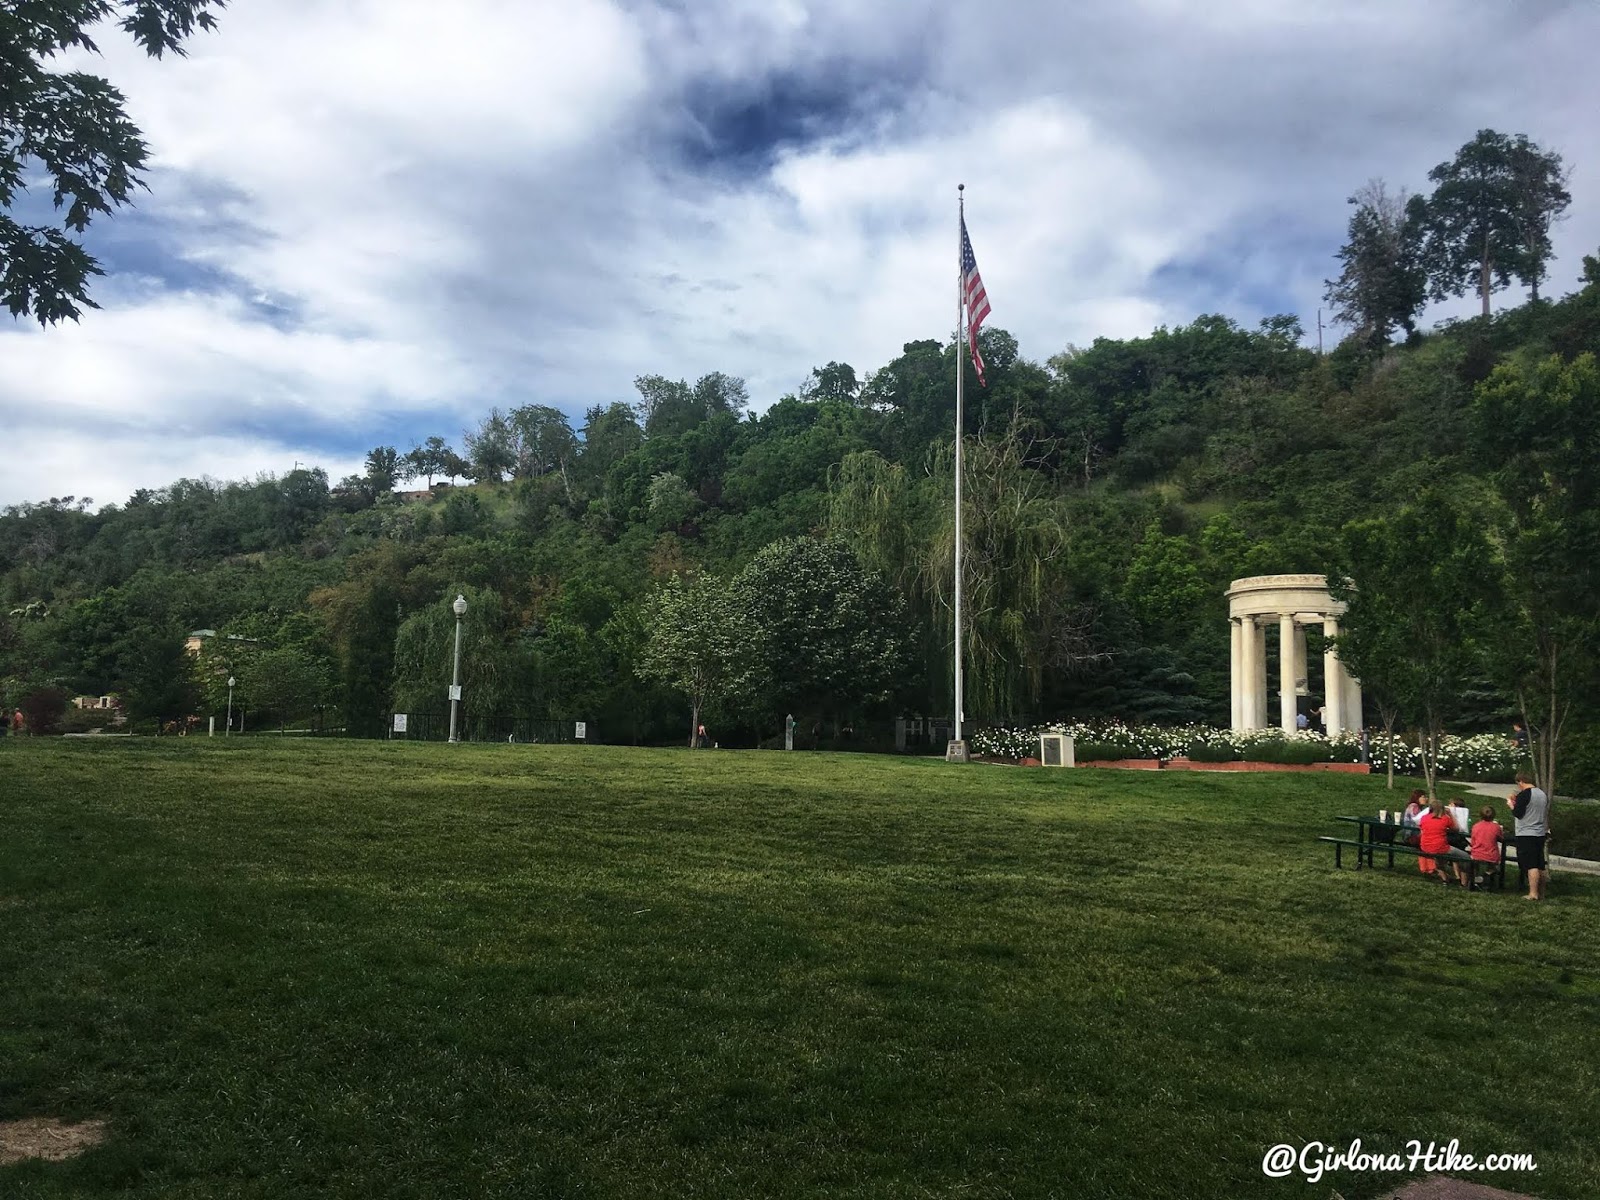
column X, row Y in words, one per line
column 1293, row 602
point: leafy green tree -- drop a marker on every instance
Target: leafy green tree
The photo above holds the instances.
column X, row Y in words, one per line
column 571, row 669
column 73, row 125
column 833, row 635
column 718, row 394
column 666, row 407
column 1382, row 285
column 385, row 468
column 669, row 501
column 1536, row 431
column 1020, row 618
column 609, row 436
column 701, row 642
column 1164, row 588
column 543, row 442
column 1539, row 198
column 1488, row 220
column 428, row 459
column 42, row 709
column 284, row 683
column 367, row 662
column 835, row 382
column 1418, row 586
column 491, row 449
column 495, row 679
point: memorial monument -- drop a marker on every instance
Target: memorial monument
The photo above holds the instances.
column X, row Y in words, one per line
column 1293, row 602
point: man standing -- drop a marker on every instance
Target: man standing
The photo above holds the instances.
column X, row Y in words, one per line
column 1531, row 808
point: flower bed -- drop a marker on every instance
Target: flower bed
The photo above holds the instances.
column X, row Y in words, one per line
column 1485, row 757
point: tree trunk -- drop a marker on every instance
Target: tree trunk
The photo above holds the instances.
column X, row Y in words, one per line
column 1483, row 277
column 1428, row 738
column 694, row 720
column 1390, row 717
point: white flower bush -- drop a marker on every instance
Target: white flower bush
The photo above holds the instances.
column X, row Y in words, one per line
column 1480, row 756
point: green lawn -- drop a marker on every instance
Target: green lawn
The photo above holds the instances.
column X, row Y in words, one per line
column 363, row 970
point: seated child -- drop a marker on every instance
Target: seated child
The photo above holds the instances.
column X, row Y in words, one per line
column 1486, row 838
column 1435, row 841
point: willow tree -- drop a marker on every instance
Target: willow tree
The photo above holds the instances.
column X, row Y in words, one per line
column 1014, row 600
column 494, row 666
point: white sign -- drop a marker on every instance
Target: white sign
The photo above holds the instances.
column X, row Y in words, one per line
column 455, row 691
column 400, row 722
column 581, row 730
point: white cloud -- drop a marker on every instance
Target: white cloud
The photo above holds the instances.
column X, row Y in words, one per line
column 365, row 210
column 110, row 468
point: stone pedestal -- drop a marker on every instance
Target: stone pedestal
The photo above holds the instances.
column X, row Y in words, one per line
column 956, row 752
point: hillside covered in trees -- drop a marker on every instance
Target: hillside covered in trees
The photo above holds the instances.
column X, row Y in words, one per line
column 803, row 556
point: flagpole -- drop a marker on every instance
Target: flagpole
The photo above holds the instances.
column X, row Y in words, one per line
column 957, row 750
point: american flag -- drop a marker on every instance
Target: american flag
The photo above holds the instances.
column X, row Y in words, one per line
column 977, row 298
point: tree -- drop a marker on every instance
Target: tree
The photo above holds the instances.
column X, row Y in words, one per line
column 1539, row 199
column 385, row 468
column 837, row 382
column 543, row 441
column 834, row 634
column 1488, row 220
column 666, row 407
column 283, row 683
column 1417, row 586
column 716, row 393
column 701, row 642
column 669, row 501
column 42, row 710
column 494, row 672
column 74, row 126
column 1536, row 430
column 1382, row 285
column 428, row 459
column 609, row 436
column 1019, row 618
column 491, row 449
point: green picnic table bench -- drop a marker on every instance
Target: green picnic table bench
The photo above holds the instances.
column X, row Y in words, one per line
column 1374, row 837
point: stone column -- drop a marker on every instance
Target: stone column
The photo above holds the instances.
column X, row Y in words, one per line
column 1333, row 682
column 1236, row 672
column 1352, row 704
column 1286, row 672
column 1247, row 672
column 1258, row 651
column 1302, row 674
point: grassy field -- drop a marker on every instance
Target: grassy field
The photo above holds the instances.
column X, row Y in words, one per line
column 362, row 970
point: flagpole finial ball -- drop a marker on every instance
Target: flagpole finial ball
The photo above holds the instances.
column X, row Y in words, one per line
column 961, row 187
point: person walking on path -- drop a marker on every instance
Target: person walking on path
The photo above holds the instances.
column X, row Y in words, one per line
column 1531, row 808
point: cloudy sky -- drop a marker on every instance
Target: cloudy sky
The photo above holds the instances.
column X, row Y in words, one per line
column 371, row 220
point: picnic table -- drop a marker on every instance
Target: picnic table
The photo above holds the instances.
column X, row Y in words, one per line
column 1375, row 835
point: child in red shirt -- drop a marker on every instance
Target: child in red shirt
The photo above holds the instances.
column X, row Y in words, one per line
column 1486, row 838
column 1436, row 826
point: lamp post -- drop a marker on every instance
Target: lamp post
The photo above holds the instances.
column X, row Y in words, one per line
column 228, row 732
column 460, row 609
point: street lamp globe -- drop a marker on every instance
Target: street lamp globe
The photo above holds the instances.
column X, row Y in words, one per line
column 460, row 606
